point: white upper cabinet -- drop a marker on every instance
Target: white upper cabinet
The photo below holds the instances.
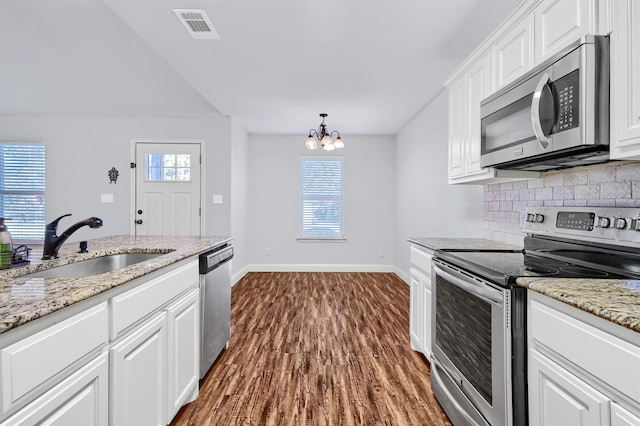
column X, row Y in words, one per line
column 479, row 86
column 558, row 23
column 513, row 53
column 625, row 80
column 534, row 32
column 457, row 115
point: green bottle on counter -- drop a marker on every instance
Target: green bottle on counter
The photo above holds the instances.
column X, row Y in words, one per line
column 6, row 245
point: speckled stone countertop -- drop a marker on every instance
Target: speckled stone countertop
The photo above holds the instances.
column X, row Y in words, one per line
column 615, row 300
column 25, row 299
column 462, row 244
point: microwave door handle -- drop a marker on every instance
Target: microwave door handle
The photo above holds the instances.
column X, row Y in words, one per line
column 535, row 110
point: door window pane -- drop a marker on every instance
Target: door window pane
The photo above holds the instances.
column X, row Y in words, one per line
column 168, row 167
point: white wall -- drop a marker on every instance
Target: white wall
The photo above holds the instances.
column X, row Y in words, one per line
column 426, row 205
column 238, row 201
column 80, row 151
column 273, row 209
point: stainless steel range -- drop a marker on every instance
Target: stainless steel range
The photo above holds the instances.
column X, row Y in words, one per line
column 479, row 313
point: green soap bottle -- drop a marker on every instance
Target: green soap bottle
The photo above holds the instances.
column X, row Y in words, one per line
column 6, row 245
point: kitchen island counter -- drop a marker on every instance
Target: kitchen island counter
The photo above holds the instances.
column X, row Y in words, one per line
column 461, row 244
column 612, row 299
column 24, row 299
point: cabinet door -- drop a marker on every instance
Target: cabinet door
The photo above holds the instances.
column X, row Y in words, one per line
column 557, row 397
column 139, row 376
column 479, row 84
column 80, row 399
column 457, row 120
column 558, row 23
column 622, row 417
column 426, row 320
column 416, row 312
column 184, row 351
column 625, row 80
column 513, row 53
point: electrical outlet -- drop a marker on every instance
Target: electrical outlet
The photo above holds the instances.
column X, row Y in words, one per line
column 217, row 199
column 381, row 253
column 106, row 198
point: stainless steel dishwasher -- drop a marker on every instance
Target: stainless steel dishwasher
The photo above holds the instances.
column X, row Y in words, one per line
column 215, row 304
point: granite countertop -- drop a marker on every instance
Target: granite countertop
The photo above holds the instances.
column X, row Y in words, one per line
column 462, row 244
column 25, row 299
column 615, row 300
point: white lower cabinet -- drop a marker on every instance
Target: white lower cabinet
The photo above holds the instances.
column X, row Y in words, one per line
column 80, row 399
column 71, row 373
column 184, row 354
column 560, row 398
column 582, row 370
column 420, row 302
column 139, row 376
column 622, row 417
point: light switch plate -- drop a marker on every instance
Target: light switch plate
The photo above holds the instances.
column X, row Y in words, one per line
column 217, row 199
column 106, row 198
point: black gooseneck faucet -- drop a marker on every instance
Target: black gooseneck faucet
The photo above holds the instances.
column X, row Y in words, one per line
column 52, row 242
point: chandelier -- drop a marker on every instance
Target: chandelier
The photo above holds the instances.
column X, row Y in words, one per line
column 323, row 137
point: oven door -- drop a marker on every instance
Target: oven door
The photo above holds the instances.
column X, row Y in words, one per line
column 471, row 361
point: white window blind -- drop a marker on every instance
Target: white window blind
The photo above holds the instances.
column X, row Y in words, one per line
column 22, row 181
column 321, row 197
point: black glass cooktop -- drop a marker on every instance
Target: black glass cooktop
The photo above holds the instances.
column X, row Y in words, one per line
column 503, row 267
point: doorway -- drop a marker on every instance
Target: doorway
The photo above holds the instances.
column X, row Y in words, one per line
column 167, row 188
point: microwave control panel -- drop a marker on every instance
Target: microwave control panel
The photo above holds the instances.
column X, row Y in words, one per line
column 566, row 94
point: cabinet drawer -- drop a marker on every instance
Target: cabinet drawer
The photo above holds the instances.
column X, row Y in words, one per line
column 135, row 304
column 420, row 259
column 34, row 360
column 588, row 347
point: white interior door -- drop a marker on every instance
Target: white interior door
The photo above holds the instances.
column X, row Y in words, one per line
column 168, row 179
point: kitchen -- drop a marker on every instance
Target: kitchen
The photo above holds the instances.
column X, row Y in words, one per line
column 241, row 162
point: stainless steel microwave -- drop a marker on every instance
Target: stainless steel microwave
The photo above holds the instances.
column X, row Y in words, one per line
column 555, row 116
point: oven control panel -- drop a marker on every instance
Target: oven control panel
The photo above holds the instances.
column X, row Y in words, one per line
column 613, row 224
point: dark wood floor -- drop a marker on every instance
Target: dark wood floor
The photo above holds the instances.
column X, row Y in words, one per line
column 317, row 349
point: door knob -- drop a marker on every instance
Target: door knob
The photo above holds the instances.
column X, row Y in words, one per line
column 139, row 221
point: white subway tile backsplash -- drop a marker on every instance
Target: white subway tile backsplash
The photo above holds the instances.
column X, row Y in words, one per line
column 563, row 192
column 587, row 192
column 555, row 179
column 506, row 206
column 544, row 193
column 599, row 174
column 527, row 194
column 615, row 190
column 612, row 184
column 628, row 172
column 575, row 178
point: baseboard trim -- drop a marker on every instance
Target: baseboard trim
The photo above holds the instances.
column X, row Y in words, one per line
column 319, row 268
column 403, row 275
column 239, row 275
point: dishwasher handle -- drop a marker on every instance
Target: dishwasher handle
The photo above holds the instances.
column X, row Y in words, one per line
column 213, row 259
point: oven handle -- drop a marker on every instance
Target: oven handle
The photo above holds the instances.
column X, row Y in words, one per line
column 482, row 291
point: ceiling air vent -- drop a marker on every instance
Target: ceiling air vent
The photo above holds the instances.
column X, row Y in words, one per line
column 197, row 24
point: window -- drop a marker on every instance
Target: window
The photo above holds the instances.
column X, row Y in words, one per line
column 321, row 198
column 22, row 189
column 168, row 167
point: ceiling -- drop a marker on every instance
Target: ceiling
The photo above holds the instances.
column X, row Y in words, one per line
column 370, row 64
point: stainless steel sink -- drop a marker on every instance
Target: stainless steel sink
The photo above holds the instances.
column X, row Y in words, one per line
column 95, row 266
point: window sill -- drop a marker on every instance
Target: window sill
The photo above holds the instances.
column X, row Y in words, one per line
column 321, row 239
